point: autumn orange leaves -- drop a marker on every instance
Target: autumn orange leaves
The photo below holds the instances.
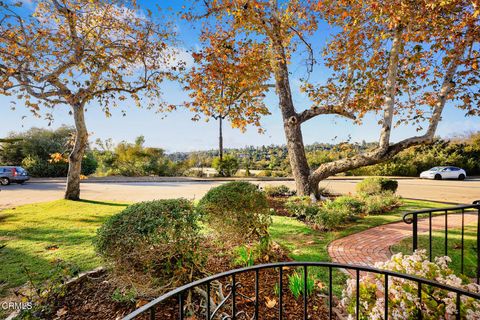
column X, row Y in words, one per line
column 404, row 60
column 74, row 52
column 229, row 79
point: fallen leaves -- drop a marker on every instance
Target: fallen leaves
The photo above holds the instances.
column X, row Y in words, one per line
column 270, row 303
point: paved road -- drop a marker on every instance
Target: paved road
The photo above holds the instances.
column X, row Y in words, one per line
column 443, row 190
column 14, row 195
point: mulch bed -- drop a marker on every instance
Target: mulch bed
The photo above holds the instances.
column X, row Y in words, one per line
column 90, row 297
column 278, row 205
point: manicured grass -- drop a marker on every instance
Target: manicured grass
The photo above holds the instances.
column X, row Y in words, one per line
column 454, row 247
column 307, row 244
column 38, row 234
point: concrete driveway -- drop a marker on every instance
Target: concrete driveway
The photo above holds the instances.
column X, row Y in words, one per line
column 14, row 195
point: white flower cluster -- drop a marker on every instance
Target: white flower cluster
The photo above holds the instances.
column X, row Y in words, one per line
column 403, row 301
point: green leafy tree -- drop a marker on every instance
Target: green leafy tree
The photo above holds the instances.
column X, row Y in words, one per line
column 44, row 152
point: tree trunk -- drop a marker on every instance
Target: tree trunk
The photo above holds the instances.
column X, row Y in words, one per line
column 298, row 160
column 72, row 191
column 292, row 125
column 220, row 138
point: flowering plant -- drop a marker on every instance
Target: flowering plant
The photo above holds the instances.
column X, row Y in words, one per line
column 403, row 300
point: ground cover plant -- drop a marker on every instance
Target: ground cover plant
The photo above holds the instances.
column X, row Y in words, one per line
column 278, row 191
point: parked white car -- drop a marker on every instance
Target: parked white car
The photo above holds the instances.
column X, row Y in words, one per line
column 439, row 173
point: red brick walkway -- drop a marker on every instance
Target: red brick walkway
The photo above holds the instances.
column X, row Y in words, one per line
column 373, row 245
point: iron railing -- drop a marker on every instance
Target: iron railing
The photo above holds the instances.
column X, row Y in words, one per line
column 232, row 302
column 415, row 217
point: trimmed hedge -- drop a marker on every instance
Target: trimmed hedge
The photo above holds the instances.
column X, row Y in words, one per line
column 238, row 211
column 376, row 185
column 156, row 241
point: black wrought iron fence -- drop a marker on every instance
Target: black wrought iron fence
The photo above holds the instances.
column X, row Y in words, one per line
column 174, row 302
column 459, row 212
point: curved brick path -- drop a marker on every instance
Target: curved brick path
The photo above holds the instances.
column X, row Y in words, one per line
column 373, row 245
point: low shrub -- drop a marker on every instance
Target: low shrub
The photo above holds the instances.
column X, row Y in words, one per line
column 324, row 191
column 264, row 173
column 38, row 167
column 351, row 205
column 278, row 191
column 404, row 302
column 238, row 211
column 381, row 203
column 193, row 172
column 330, row 219
column 279, row 174
column 376, row 185
column 152, row 244
column 328, row 215
column 226, row 167
column 302, row 207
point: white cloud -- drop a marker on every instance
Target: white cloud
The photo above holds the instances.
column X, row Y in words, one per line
column 180, row 54
column 448, row 129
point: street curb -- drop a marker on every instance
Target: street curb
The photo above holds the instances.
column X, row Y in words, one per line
column 192, row 179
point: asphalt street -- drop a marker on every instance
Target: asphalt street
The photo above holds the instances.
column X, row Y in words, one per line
column 14, row 195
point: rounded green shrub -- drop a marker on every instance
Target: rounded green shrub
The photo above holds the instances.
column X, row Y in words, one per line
column 330, row 219
column 238, row 211
column 278, row 191
column 376, row 185
column 328, row 215
column 351, row 207
column 156, row 241
column 381, row 203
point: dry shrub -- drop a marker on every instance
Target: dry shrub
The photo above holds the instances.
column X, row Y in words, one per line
column 153, row 246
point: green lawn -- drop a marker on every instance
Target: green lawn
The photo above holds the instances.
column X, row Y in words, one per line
column 38, row 234
column 454, row 247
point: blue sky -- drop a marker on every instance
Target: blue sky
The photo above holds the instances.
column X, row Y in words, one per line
column 176, row 132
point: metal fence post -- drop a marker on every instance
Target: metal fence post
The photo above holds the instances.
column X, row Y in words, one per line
column 415, row 232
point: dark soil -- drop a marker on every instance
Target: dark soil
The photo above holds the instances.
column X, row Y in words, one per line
column 90, row 297
column 278, row 205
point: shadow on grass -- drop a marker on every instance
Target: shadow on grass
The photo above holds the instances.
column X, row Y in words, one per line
column 4, row 217
column 18, row 267
column 104, row 203
column 48, row 235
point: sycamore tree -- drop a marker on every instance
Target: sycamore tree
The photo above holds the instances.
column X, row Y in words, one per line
column 228, row 80
column 404, row 60
column 80, row 53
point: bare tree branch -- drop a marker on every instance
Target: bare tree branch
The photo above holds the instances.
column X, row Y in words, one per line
column 315, row 111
